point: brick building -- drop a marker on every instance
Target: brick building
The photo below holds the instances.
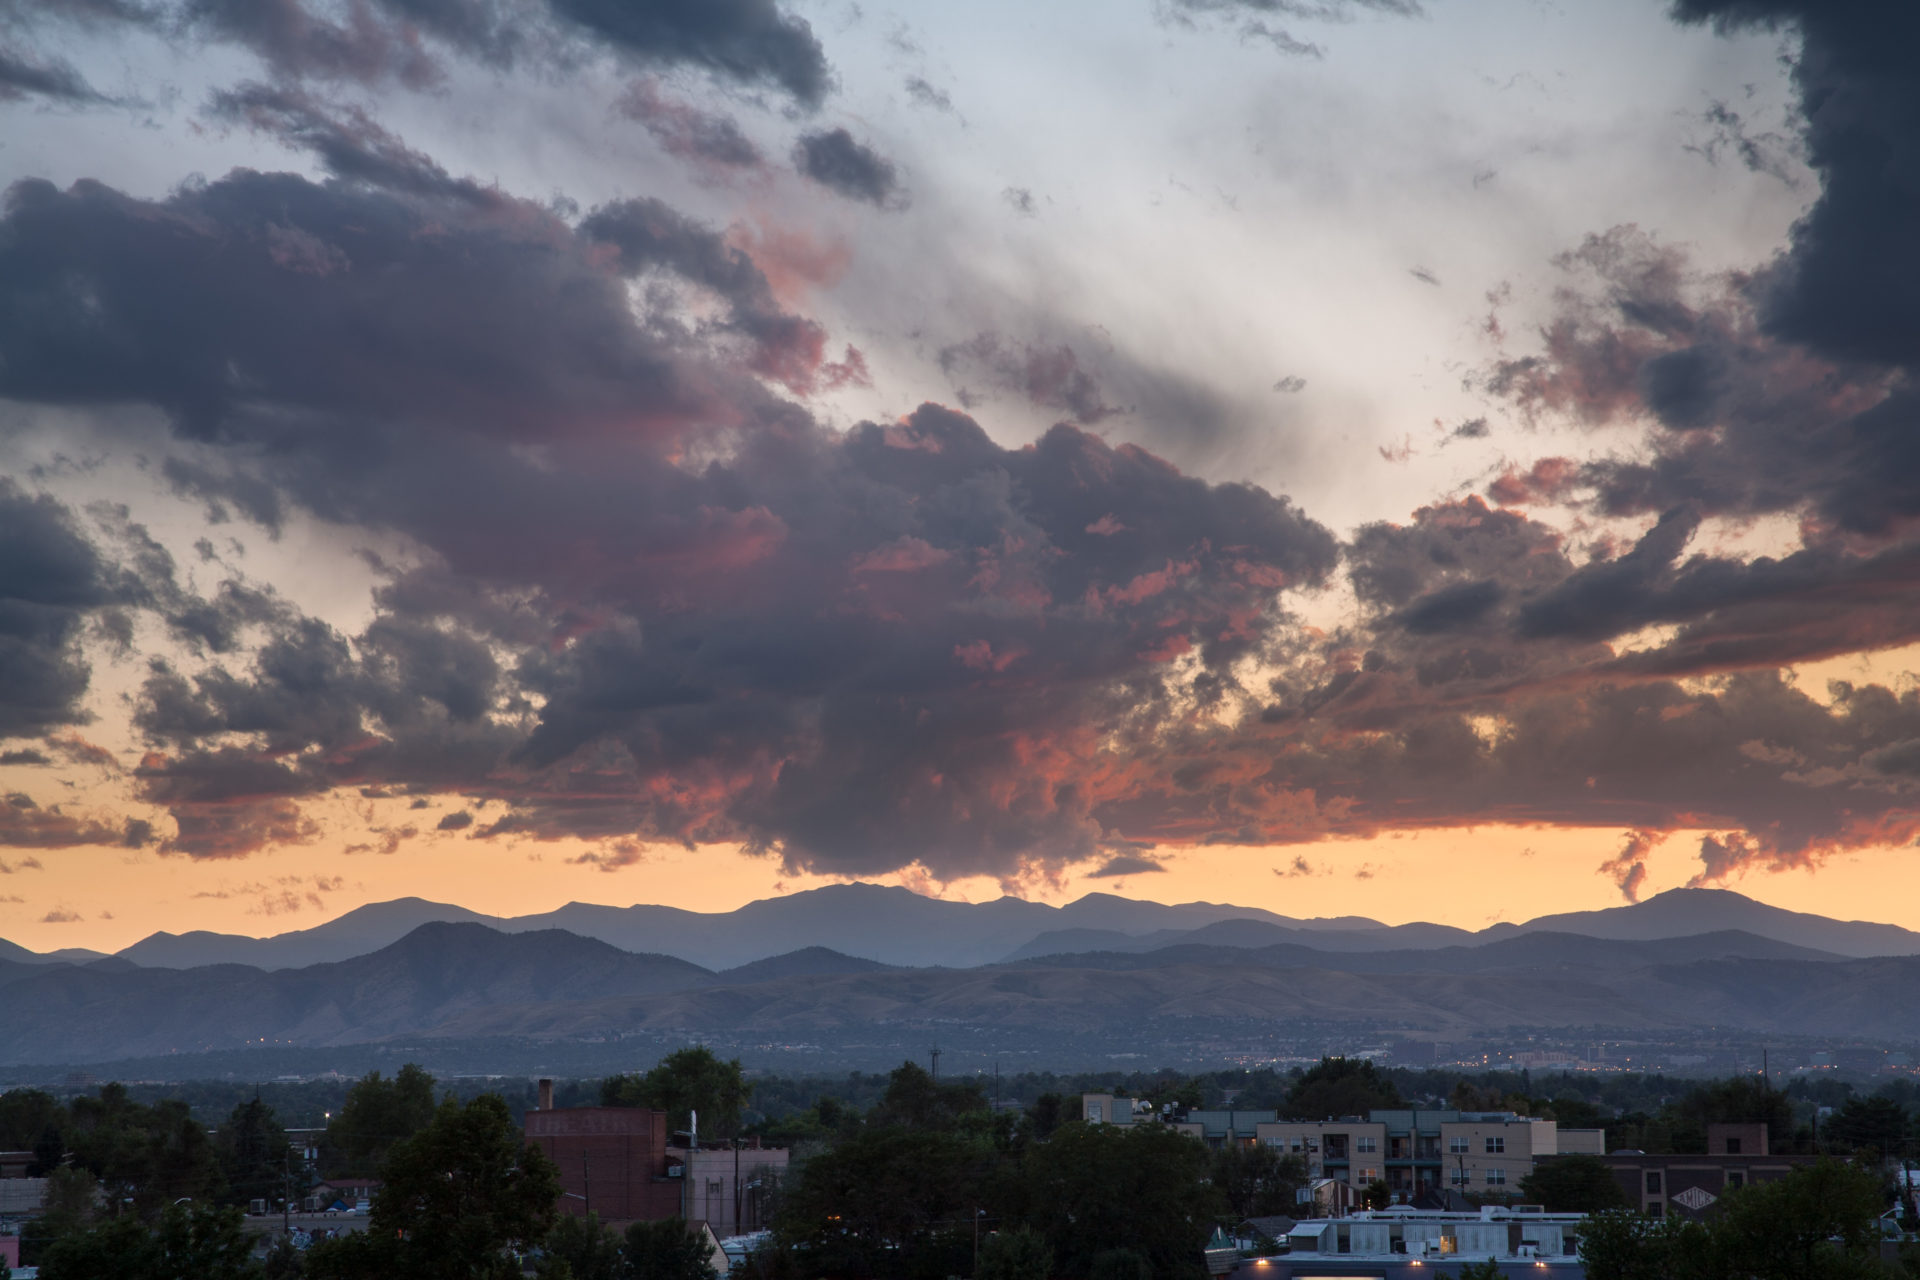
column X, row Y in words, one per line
column 1691, row 1184
column 613, row 1160
column 620, row 1163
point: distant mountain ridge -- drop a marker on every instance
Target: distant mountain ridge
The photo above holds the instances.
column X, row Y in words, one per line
column 455, row 981
column 889, row 925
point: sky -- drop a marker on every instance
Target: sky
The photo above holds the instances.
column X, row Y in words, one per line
column 1408, row 458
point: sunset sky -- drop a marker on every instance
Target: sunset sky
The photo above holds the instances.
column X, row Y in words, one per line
column 1427, row 459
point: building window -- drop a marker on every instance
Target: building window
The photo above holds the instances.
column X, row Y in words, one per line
column 1736, row 1178
column 1653, row 1182
column 1457, row 1176
column 1733, row 1146
column 1496, row 1177
column 1457, row 1146
column 1366, row 1146
column 1367, row 1175
column 1495, row 1146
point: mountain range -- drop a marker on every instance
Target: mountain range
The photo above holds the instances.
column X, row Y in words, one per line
column 855, row 964
column 894, row 926
column 465, row 981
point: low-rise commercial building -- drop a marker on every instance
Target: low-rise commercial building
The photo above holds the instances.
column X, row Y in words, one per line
column 1413, row 1244
column 1692, row 1184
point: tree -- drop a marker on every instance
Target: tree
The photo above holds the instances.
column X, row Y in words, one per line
column 581, row 1249
column 145, row 1157
column 1573, row 1184
column 915, row 1100
column 1048, row 1112
column 671, row 1249
column 1376, row 1195
column 1341, row 1087
column 70, row 1207
column 33, row 1120
column 685, row 1082
column 1620, row 1244
column 1741, row 1100
column 378, row 1114
column 189, row 1242
column 1141, row 1187
column 1119, row 1264
column 1018, row 1254
column 1488, row 1270
column 1257, row 1180
column 1816, row 1222
column 253, row 1153
column 881, row 1202
column 1877, row 1124
column 457, row 1197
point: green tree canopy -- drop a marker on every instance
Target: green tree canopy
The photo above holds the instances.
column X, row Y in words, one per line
column 146, row 1157
column 1573, row 1184
column 1096, row 1187
column 684, row 1082
column 1817, row 1223
column 581, row 1249
column 33, row 1120
column 1341, row 1087
column 1016, row 1254
column 1877, row 1124
column 189, row 1242
column 254, row 1157
column 378, row 1115
column 1119, row 1264
column 879, row 1203
column 915, row 1100
column 457, row 1197
column 1258, row 1180
column 1741, row 1100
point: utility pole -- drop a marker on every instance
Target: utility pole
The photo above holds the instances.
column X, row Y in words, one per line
column 933, row 1055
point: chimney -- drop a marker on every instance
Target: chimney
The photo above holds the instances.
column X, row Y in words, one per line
column 546, row 1095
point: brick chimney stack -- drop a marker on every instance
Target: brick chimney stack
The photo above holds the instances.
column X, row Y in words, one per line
column 546, row 1095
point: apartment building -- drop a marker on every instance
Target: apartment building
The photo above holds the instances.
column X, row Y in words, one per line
column 1484, row 1152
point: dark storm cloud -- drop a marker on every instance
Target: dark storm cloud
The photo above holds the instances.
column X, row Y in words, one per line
column 1049, row 376
column 1787, row 391
column 835, row 160
column 856, row 649
column 26, row 825
column 747, row 42
column 22, row 76
column 52, row 580
column 703, row 138
column 1849, row 285
column 299, row 39
column 345, row 140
